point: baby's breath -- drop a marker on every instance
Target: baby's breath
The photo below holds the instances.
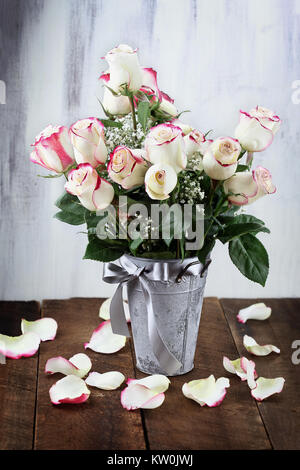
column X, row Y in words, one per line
column 190, row 191
column 125, row 135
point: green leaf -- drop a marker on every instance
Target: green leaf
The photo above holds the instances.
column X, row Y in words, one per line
column 242, row 168
column 51, row 176
column 206, row 249
column 159, row 255
column 143, row 114
column 135, row 244
column 111, row 123
column 68, row 218
column 69, row 203
column 98, row 251
column 250, row 257
column 235, row 230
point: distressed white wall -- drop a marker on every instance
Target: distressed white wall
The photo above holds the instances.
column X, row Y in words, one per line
column 213, row 57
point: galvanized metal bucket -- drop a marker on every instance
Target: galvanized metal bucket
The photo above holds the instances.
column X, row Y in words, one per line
column 177, row 309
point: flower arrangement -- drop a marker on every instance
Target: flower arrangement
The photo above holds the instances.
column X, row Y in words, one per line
column 142, row 150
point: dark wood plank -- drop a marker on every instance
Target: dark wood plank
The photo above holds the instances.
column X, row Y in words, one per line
column 17, row 382
column 101, row 422
column 280, row 413
column 182, row 424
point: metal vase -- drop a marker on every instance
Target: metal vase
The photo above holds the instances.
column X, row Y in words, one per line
column 177, row 309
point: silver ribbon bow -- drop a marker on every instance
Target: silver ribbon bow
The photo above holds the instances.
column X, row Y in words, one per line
column 156, row 271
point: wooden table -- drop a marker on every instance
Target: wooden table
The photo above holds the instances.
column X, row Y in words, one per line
column 29, row 421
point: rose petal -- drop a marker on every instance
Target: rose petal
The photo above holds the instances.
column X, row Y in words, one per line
column 240, row 367
column 254, row 312
column 107, row 381
column 249, row 368
column 70, row 389
column 14, row 347
column 45, row 328
column 138, row 396
column 105, row 307
column 267, row 387
column 103, row 340
column 256, row 349
column 209, row 391
column 78, row 365
column 157, row 383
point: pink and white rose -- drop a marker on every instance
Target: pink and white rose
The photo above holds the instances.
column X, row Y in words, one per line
column 160, row 180
column 220, row 159
column 195, row 142
column 117, row 105
column 249, row 186
column 164, row 144
column 124, row 68
column 257, row 128
column 88, row 139
column 127, row 167
column 92, row 191
column 53, row 149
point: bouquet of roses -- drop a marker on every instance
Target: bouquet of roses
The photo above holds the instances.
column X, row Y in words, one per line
column 142, row 155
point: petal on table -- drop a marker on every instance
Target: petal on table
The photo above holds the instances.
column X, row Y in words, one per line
column 136, row 396
column 209, row 391
column 103, row 340
column 78, row 365
column 249, row 368
column 254, row 312
column 106, row 381
column 267, row 387
column 105, row 307
column 70, row 389
column 157, row 383
column 45, row 328
column 15, row 347
column 234, row 367
column 258, row 350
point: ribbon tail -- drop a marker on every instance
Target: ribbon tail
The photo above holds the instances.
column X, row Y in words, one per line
column 117, row 315
column 168, row 362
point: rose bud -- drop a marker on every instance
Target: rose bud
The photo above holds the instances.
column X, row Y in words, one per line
column 185, row 128
column 149, row 80
column 196, row 142
column 257, row 128
column 53, row 149
column 127, row 167
column 87, row 136
column 220, row 159
column 160, row 180
column 249, row 186
column 124, row 68
column 92, row 191
column 164, row 144
column 117, row 105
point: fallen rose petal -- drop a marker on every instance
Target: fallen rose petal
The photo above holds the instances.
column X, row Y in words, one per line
column 258, row 350
column 249, row 368
column 105, row 307
column 157, row 383
column 78, row 365
column 70, row 389
column 136, row 396
column 15, row 347
column 254, row 312
column 45, row 328
column 209, row 391
column 106, row 381
column 267, row 387
column 103, row 340
column 234, row 367
column 240, row 367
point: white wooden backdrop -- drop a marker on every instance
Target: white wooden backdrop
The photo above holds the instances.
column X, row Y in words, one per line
column 213, row 56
